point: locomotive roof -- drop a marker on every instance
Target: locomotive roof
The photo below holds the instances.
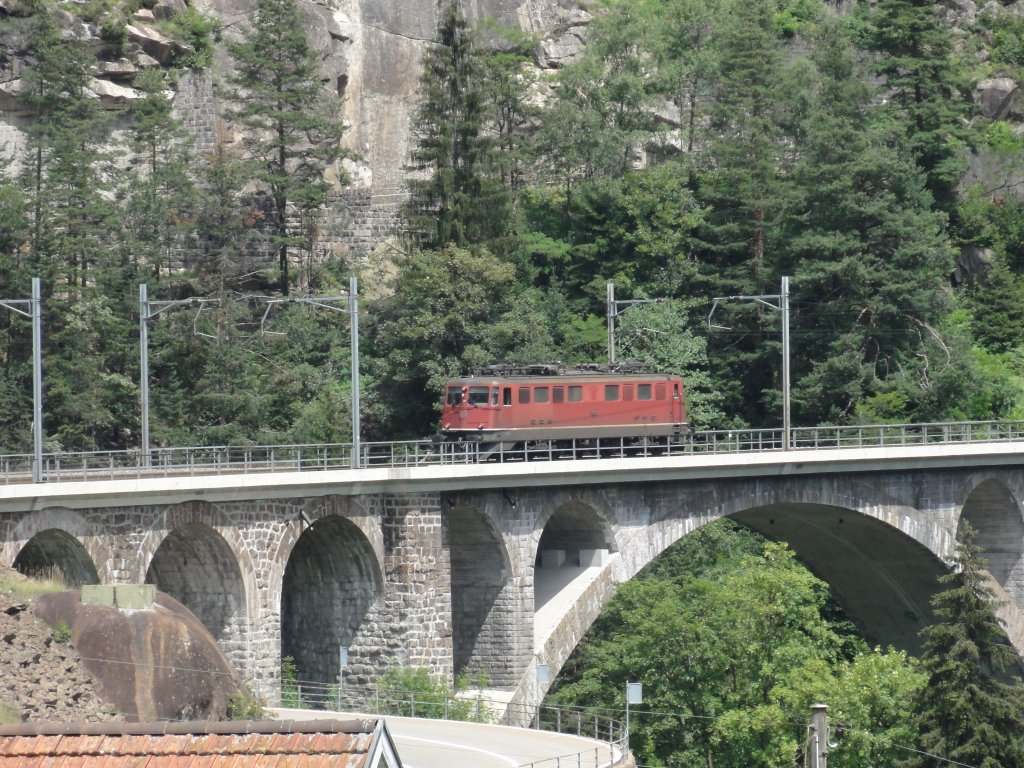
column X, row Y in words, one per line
column 542, row 372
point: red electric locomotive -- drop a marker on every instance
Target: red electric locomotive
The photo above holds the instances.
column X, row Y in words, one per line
column 550, row 406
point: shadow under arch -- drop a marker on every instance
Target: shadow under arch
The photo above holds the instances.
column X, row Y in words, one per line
column 53, row 550
column 196, row 566
column 573, row 538
column 485, row 633
column 994, row 513
column 883, row 578
column 330, row 583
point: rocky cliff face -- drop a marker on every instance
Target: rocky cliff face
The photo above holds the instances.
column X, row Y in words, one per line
column 371, row 51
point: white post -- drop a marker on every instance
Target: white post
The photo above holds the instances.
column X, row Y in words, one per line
column 144, row 368
column 37, row 379
column 784, row 307
column 353, row 311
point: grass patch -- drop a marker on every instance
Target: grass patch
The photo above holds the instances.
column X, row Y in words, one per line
column 24, row 588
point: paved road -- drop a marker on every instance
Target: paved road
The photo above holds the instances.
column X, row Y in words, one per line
column 448, row 744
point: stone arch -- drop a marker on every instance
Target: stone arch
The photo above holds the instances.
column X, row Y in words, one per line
column 883, row 578
column 994, row 511
column 54, row 553
column 76, row 528
column 574, row 536
column 486, row 632
column 331, row 580
column 195, row 566
column 195, row 554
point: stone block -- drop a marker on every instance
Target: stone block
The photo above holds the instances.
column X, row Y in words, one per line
column 134, row 596
column 590, row 558
column 552, row 558
column 97, row 594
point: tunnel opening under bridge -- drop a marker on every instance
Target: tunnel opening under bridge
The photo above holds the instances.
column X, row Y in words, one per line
column 330, row 583
column 195, row 566
column 56, row 554
column 883, row 579
column 487, row 638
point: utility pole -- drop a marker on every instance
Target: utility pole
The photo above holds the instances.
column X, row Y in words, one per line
column 818, row 737
column 34, row 311
column 781, row 305
column 614, row 309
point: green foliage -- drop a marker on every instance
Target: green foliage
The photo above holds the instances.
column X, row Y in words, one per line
column 729, row 634
column 242, row 706
column 971, row 709
column 198, row 32
column 290, row 698
column 461, row 198
column 62, row 632
column 412, row 692
column 293, row 133
column 452, row 309
column 797, row 17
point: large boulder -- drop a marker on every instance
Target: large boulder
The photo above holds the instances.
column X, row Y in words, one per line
column 155, row 663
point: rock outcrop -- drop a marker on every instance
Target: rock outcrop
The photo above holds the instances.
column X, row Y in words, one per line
column 157, row 663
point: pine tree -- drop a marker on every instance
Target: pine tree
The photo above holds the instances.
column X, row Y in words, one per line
column 64, row 166
column 158, row 196
column 972, row 709
column 460, row 199
column 292, row 130
column 922, row 80
column 868, row 255
column 744, row 190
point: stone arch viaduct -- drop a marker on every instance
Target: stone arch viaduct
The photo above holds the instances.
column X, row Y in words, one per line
column 496, row 569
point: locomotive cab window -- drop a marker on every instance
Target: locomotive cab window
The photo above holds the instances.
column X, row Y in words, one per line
column 494, row 396
column 506, row 396
column 611, row 392
column 558, row 394
column 524, row 395
column 643, row 391
column 540, row 395
column 454, row 396
column 478, row 395
column 575, row 394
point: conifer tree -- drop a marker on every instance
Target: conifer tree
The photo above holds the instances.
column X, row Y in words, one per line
column 292, row 129
column 923, row 83
column 868, row 255
column 63, row 168
column 459, row 198
column 972, row 709
column 158, row 198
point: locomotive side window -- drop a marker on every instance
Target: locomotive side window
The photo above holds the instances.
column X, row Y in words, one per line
column 454, row 396
column 494, row 396
column 659, row 391
column 575, row 394
column 524, row 395
column 540, row 395
column 558, row 394
column 478, row 395
column 643, row 391
column 675, row 391
column 611, row 392
column 627, row 391
column 506, row 396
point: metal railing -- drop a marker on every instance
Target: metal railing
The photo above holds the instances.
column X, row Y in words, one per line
column 224, row 459
column 469, row 706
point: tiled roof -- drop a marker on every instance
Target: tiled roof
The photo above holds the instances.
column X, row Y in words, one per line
column 277, row 744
